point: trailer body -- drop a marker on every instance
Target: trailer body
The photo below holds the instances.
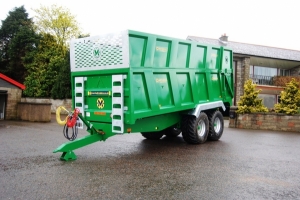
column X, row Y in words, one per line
column 132, row 81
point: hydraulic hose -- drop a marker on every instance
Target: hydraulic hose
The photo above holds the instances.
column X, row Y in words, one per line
column 70, row 136
column 69, row 122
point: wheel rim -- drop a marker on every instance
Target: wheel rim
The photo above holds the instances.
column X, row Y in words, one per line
column 217, row 125
column 201, row 128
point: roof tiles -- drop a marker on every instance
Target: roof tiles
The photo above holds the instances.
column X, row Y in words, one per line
column 251, row 49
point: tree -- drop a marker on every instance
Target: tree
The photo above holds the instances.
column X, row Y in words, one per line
column 44, row 68
column 289, row 99
column 59, row 22
column 249, row 102
column 62, row 85
column 50, row 70
column 17, row 38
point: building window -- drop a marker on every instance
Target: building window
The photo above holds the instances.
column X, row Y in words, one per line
column 269, row 100
column 265, row 71
column 262, row 75
column 278, row 99
column 284, row 72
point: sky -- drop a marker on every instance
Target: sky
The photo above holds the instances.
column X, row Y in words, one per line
column 261, row 22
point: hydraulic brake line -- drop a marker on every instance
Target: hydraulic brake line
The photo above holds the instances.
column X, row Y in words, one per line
column 74, row 132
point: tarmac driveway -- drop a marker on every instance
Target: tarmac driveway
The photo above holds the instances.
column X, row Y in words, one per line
column 244, row 164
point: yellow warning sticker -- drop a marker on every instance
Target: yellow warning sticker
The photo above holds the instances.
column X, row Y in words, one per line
column 100, row 103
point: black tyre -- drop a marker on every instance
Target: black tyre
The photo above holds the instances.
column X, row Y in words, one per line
column 172, row 132
column 153, row 135
column 195, row 130
column 216, row 125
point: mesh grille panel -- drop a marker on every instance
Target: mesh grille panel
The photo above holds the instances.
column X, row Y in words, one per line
column 100, row 52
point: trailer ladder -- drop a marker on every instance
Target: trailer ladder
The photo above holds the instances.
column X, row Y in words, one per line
column 79, row 96
column 117, row 104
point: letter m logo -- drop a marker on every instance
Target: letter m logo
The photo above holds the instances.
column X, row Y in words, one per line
column 96, row 53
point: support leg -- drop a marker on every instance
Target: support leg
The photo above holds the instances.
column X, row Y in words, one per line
column 67, row 148
column 78, row 143
column 68, row 156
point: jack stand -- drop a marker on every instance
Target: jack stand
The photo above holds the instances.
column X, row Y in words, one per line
column 68, row 156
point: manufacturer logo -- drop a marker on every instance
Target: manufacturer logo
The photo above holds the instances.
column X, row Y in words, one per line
column 226, row 59
column 96, row 53
column 162, row 49
column 99, row 93
column 160, row 80
column 213, row 55
column 100, row 103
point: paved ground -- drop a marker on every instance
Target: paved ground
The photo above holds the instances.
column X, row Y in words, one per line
column 244, row 164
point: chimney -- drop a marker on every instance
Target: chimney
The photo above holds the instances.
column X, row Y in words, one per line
column 224, row 38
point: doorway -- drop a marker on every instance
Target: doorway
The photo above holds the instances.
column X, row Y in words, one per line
column 3, row 98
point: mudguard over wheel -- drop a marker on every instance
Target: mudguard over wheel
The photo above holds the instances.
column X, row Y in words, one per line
column 153, row 135
column 172, row 132
column 195, row 130
column 216, row 125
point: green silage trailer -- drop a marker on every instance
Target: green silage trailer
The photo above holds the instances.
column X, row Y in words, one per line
column 136, row 82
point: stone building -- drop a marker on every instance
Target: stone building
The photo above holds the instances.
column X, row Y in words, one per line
column 10, row 95
column 259, row 63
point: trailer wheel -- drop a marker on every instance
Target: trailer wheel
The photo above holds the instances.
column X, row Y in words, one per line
column 195, row 130
column 153, row 135
column 216, row 125
column 172, row 132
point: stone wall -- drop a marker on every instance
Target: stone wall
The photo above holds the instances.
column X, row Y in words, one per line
column 242, row 74
column 266, row 121
column 13, row 97
column 67, row 103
